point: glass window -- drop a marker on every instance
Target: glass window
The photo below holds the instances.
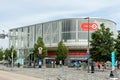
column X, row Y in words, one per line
column 47, row 39
column 82, row 35
column 55, row 38
column 47, row 28
column 68, row 36
column 68, row 25
column 38, row 31
column 55, row 27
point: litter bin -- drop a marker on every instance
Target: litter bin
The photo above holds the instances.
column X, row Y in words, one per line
column 92, row 68
column 48, row 65
column 18, row 65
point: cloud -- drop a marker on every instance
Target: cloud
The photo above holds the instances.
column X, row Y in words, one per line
column 27, row 11
column 116, row 17
column 53, row 5
column 17, row 13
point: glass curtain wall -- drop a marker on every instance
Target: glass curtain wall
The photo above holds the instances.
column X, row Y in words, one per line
column 82, row 35
column 47, row 30
column 38, row 31
column 68, row 30
column 55, row 32
column 51, row 32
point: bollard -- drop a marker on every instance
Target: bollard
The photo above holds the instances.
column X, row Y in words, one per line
column 18, row 65
column 92, row 68
column 113, row 75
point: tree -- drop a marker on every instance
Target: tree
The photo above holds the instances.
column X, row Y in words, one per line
column 102, row 44
column 8, row 53
column 62, row 51
column 40, row 43
column 117, row 46
column 1, row 54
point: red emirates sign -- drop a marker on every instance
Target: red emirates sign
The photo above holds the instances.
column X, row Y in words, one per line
column 92, row 26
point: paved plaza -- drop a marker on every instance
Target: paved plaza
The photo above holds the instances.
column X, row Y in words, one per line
column 60, row 73
column 5, row 75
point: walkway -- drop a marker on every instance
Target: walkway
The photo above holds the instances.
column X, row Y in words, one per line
column 60, row 73
column 13, row 76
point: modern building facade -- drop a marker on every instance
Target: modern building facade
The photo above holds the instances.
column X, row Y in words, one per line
column 73, row 31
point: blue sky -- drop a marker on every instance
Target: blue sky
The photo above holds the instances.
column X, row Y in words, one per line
column 18, row 13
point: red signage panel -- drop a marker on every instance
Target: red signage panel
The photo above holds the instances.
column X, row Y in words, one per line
column 92, row 26
column 77, row 53
column 51, row 54
column 71, row 53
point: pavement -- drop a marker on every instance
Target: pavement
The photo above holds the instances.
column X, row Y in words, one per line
column 60, row 73
column 4, row 75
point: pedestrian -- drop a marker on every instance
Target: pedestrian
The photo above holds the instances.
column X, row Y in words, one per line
column 98, row 64
column 40, row 64
column 84, row 65
column 103, row 66
column 57, row 62
column 79, row 65
column 76, row 65
column 118, row 64
column 60, row 63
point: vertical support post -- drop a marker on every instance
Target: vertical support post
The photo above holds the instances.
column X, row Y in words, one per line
column 113, row 60
column 113, row 73
column 3, row 59
column 12, row 58
column 88, row 42
column 88, row 49
column 40, row 57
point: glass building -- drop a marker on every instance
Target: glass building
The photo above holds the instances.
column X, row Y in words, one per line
column 72, row 31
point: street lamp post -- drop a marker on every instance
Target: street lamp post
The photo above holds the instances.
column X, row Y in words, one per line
column 3, row 59
column 88, row 49
column 12, row 58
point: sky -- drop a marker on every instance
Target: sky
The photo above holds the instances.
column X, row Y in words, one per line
column 18, row 13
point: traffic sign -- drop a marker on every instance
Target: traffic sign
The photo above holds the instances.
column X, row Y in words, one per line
column 40, row 50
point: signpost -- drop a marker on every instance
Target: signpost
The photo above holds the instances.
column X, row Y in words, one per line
column 12, row 59
column 113, row 60
column 88, row 56
column 3, row 59
column 40, row 57
column 88, row 29
column 113, row 73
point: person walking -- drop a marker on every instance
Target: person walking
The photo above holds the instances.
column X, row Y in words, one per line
column 60, row 63
column 84, row 65
column 98, row 64
column 57, row 62
column 118, row 64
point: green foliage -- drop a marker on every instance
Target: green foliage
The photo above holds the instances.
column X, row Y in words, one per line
column 8, row 53
column 1, row 54
column 102, row 44
column 62, row 51
column 40, row 43
column 117, row 46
